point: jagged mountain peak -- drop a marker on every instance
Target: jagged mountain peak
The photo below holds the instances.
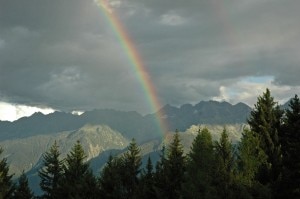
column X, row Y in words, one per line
column 205, row 112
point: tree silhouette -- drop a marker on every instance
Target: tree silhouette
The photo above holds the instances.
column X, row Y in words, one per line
column 200, row 168
column 78, row 180
column 265, row 122
column 290, row 140
column 51, row 172
column 6, row 185
column 23, row 191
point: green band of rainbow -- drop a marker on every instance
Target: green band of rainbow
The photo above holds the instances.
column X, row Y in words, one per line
column 136, row 62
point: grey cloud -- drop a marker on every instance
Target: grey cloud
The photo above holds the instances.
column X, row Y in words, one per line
column 64, row 53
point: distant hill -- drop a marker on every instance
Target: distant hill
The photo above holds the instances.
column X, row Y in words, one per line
column 130, row 124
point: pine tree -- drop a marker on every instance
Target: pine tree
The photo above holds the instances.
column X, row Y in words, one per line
column 159, row 176
column 6, row 185
column 78, row 180
column 51, row 172
column 249, row 159
column 200, row 168
column 110, row 179
column 131, row 163
column 265, row 122
column 290, row 140
column 23, row 191
column 146, row 188
column 119, row 178
column 174, row 168
column 225, row 180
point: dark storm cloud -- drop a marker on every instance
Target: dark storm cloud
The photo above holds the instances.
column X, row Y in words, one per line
column 61, row 54
column 222, row 42
column 65, row 55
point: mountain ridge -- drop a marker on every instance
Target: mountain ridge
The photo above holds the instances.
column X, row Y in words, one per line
column 205, row 112
column 130, row 123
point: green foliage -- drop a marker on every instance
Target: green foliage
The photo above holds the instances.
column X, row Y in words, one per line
column 224, row 167
column 119, row 178
column 200, row 168
column 160, row 180
column 131, row 163
column 6, row 185
column 110, row 179
column 173, row 168
column 250, row 158
column 78, row 180
column 146, row 189
column 290, row 140
column 265, row 122
column 22, row 190
column 51, row 172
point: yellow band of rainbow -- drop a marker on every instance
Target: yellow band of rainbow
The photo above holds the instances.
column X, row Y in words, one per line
column 136, row 62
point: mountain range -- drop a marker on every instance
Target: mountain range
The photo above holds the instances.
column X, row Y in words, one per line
column 105, row 132
column 130, row 124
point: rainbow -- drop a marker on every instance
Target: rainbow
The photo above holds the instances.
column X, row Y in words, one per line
column 136, row 62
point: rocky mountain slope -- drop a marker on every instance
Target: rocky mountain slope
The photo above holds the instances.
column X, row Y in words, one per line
column 24, row 153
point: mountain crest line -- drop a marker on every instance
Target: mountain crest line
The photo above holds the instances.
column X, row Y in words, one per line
column 136, row 62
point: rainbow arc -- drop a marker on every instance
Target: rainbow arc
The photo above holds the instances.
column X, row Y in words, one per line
column 136, row 61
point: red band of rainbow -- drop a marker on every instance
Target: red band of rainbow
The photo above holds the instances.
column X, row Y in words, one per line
column 136, row 62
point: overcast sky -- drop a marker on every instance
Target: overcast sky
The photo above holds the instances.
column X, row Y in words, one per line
column 64, row 55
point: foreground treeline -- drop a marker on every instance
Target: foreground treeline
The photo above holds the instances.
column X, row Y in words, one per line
column 264, row 164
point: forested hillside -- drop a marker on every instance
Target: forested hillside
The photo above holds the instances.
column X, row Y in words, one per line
column 264, row 164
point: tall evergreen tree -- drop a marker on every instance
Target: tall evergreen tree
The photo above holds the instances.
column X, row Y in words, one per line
column 249, row 159
column 110, row 179
column 6, row 185
column 290, row 140
column 119, row 178
column 265, row 122
column 78, row 180
column 225, row 167
column 51, row 172
column 22, row 190
column 175, row 167
column 131, row 162
column 159, row 176
column 200, row 168
column 146, row 188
